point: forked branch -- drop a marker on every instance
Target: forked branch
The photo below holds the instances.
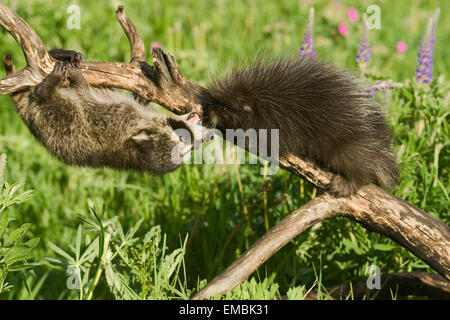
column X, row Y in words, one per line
column 39, row 62
column 423, row 235
column 162, row 83
column 136, row 41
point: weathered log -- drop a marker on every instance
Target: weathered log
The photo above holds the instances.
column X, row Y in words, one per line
column 423, row 235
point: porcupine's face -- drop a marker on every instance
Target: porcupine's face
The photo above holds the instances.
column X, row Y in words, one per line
column 164, row 144
column 228, row 117
column 229, row 109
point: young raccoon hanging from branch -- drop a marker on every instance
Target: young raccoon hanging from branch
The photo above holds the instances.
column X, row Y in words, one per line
column 87, row 126
column 322, row 113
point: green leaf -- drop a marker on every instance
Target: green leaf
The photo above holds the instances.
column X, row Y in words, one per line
column 351, row 246
column 134, row 229
column 78, row 243
column 15, row 188
column 61, row 252
column 3, row 223
column 384, row 247
column 407, row 94
column 32, row 243
column 91, row 252
column 16, row 254
column 23, row 196
column 18, row 233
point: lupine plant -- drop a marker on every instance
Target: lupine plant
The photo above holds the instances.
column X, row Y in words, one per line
column 15, row 252
column 307, row 48
column 424, row 71
column 363, row 55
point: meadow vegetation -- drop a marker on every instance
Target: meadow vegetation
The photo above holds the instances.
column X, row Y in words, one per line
column 126, row 235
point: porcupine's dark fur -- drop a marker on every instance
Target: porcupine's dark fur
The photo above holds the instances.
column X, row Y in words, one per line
column 322, row 113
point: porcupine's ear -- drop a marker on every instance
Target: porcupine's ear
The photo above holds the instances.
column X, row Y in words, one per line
column 247, row 108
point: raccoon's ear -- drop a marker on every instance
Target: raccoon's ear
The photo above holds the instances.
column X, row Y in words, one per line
column 141, row 137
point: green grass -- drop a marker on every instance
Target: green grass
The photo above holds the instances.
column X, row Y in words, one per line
column 190, row 220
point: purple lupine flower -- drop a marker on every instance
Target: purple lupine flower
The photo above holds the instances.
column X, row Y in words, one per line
column 424, row 71
column 307, row 48
column 381, row 86
column 363, row 55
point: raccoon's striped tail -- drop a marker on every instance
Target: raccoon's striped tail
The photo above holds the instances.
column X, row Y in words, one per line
column 21, row 97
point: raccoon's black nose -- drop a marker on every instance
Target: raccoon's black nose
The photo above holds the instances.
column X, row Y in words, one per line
column 209, row 135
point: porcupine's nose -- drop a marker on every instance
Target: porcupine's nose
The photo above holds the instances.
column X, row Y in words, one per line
column 193, row 117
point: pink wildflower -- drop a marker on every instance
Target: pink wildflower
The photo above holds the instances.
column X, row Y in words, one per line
column 352, row 14
column 401, row 47
column 343, row 29
column 155, row 45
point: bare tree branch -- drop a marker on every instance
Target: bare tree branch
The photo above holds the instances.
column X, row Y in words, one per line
column 39, row 62
column 423, row 235
column 136, row 41
column 162, row 83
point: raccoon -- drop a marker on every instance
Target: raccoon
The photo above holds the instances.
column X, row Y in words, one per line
column 86, row 126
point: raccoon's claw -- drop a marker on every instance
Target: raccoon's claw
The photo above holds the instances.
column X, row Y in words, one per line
column 68, row 56
column 59, row 71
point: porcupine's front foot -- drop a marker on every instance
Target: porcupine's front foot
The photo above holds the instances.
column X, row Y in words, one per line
column 342, row 187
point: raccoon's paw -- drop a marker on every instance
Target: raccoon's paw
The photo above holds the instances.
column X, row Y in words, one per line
column 342, row 187
column 59, row 73
column 75, row 76
column 68, row 56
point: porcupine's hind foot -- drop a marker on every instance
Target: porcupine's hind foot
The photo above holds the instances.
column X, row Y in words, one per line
column 342, row 187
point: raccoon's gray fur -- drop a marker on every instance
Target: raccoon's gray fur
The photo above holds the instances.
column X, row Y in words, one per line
column 322, row 113
column 87, row 126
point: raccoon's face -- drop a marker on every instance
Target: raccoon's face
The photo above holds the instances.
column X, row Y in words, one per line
column 167, row 143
